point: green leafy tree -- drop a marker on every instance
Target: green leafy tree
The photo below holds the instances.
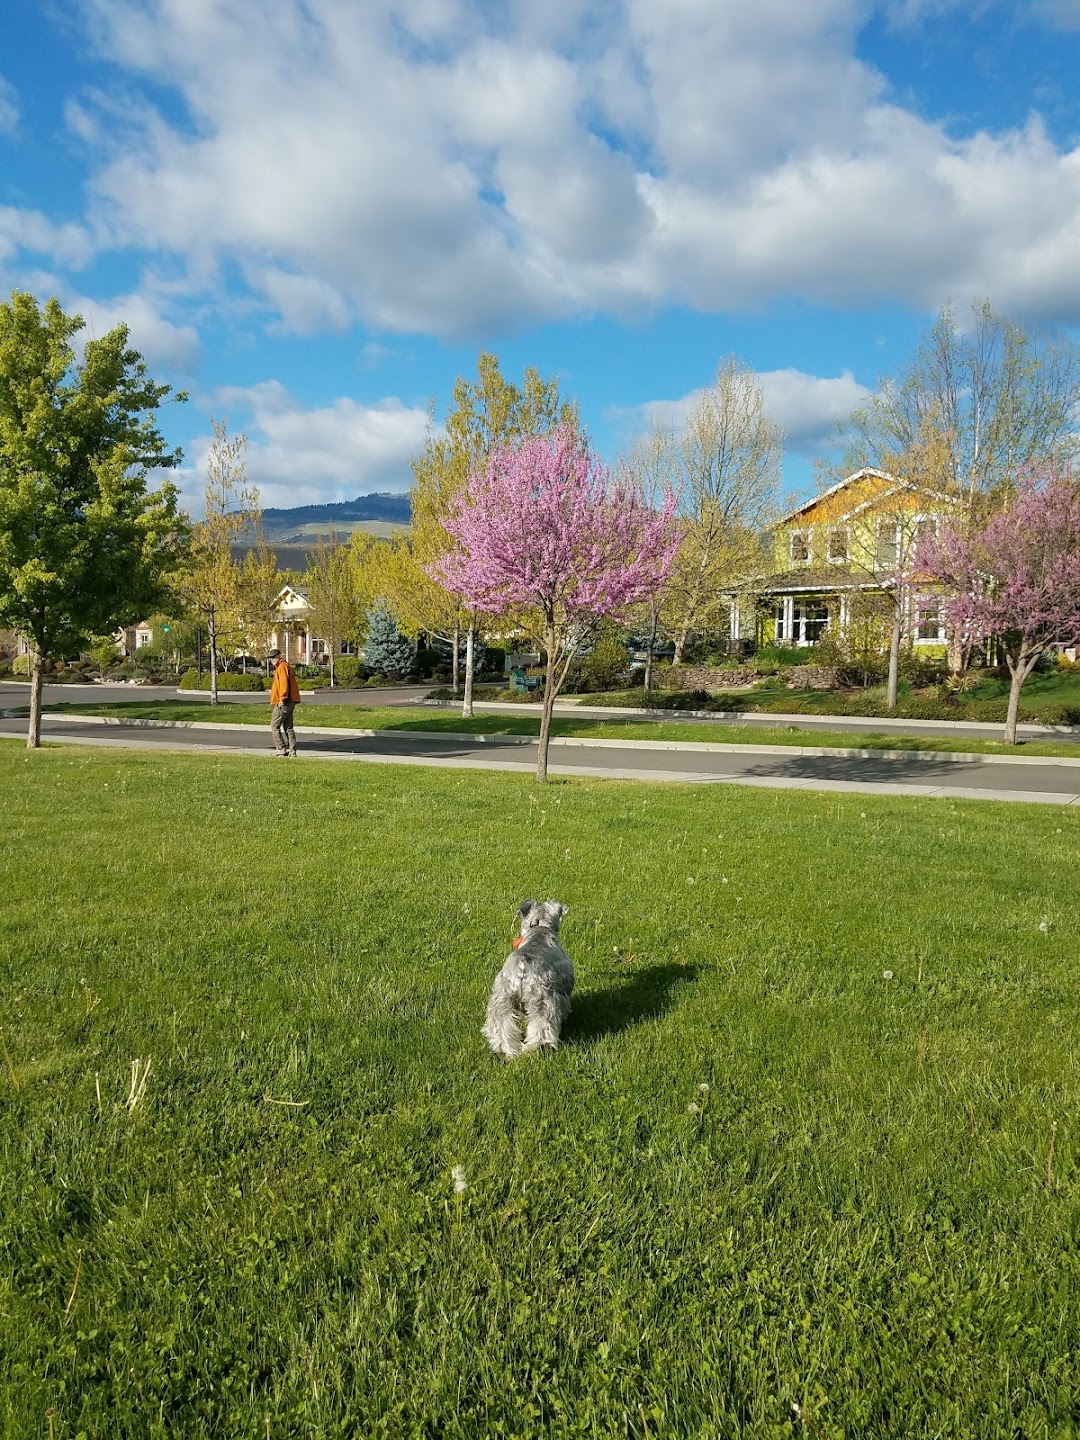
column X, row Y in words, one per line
column 104, row 652
column 333, row 603
column 85, row 546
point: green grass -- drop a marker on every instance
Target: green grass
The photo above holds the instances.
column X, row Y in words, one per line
column 1056, row 685
column 856, row 1216
column 438, row 721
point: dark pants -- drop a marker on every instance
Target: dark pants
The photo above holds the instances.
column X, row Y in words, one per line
column 281, row 727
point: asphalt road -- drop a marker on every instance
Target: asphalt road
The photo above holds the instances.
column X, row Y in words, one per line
column 921, row 773
column 12, row 694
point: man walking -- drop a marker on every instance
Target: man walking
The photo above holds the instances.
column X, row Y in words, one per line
column 284, row 697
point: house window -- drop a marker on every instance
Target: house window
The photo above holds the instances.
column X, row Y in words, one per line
column 838, row 545
column 930, row 620
column 143, row 637
column 781, row 631
column 887, row 554
column 925, row 529
column 800, row 547
column 811, row 620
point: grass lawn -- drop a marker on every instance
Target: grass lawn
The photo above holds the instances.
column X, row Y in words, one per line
column 759, row 1172
column 429, row 719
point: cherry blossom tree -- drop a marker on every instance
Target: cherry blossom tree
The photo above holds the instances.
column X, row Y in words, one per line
column 543, row 535
column 1016, row 575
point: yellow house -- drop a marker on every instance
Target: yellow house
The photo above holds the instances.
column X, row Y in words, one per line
column 856, row 539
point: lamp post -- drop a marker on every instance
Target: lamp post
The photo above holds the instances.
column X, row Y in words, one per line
column 165, row 631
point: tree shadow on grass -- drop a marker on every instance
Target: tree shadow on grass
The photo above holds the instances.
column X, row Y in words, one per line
column 643, row 995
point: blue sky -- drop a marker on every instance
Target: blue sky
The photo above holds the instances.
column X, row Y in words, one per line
column 313, row 214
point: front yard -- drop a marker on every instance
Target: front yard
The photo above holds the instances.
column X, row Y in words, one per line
column 812, row 1139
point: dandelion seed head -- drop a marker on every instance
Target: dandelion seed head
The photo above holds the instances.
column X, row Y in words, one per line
column 693, row 1108
column 886, row 974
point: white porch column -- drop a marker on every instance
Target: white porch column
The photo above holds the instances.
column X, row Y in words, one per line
column 789, row 617
column 733, row 629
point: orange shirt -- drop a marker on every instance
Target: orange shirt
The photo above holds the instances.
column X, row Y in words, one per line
column 284, row 686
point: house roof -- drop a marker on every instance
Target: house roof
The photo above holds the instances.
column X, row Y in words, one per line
column 862, row 480
column 815, row 578
column 835, row 490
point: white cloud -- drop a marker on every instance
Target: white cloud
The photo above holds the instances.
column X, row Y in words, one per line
column 299, row 456
column 9, row 107
column 158, row 340
column 451, row 168
column 24, row 232
column 806, row 407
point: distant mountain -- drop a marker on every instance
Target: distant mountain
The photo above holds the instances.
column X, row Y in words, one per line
column 304, row 522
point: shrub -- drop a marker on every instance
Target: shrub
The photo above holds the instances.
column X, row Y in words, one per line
column 922, row 669
column 347, row 669
column 1057, row 713
column 227, row 681
column 783, row 655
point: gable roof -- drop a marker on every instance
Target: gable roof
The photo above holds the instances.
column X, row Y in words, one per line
column 863, row 479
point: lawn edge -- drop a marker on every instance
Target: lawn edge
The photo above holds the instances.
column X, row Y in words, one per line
column 689, row 746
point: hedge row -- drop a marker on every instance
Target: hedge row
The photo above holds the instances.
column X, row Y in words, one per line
column 991, row 712
column 225, row 681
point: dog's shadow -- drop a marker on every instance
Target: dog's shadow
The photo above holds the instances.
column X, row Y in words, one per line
column 642, row 995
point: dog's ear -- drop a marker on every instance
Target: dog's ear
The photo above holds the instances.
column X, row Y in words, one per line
column 525, row 907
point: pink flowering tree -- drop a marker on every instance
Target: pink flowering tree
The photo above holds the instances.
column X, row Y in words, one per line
column 1016, row 575
column 542, row 534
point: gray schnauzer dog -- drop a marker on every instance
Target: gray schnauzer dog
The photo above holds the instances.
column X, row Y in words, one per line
column 534, row 985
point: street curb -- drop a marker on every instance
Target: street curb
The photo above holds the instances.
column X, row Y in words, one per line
column 688, row 746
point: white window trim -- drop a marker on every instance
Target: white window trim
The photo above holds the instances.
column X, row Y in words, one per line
column 809, row 547
column 839, row 529
column 882, row 526
column 941, row 638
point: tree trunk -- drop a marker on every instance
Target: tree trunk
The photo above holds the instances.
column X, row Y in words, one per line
column 649, row 649
column 454, row 661
column 680, row 646
column 545, row 713
column 470, row 656
column 1014, row 706
column 37, row 678
column 211, row 635
column 894, row 655
column 956, row 653
column 1019, row 670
